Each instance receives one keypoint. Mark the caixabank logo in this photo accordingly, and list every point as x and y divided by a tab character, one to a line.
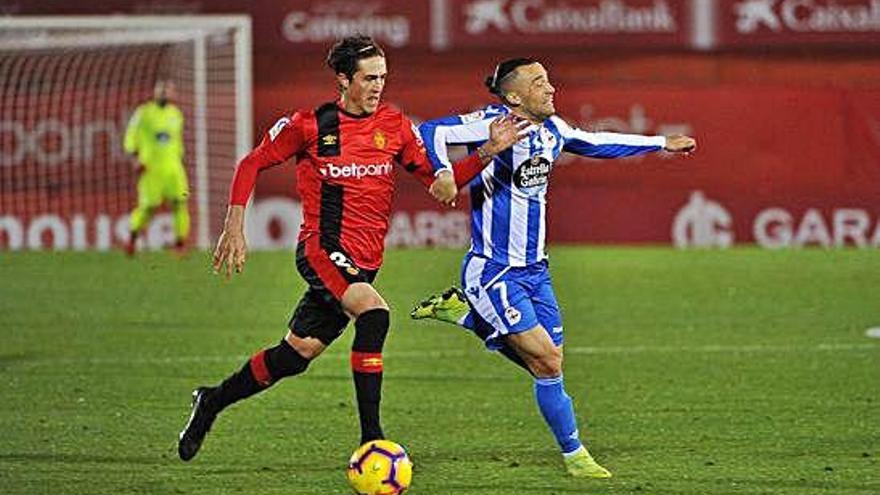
806	16
550	16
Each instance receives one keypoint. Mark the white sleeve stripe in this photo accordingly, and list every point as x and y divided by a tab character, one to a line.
440	146
466	133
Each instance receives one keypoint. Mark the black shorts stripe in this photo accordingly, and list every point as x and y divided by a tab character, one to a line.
330	220
327	116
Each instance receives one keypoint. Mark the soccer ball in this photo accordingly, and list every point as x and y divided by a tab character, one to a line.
380	467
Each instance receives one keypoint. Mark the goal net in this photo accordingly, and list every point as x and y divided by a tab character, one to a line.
68	86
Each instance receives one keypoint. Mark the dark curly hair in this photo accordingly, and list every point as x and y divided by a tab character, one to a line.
504	69
345	54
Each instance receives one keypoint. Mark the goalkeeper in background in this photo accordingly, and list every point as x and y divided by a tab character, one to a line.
154	138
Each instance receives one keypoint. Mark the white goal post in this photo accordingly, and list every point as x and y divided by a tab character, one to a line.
68	85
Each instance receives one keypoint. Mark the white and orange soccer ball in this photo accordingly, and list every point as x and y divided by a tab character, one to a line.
380	467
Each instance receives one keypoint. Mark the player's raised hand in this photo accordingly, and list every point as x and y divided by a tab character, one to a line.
504	132
680	144
231	250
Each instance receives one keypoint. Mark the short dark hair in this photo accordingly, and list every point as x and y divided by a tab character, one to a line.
346	53
503	70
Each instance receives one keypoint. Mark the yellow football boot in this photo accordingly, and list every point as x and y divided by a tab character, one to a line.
581	464
450	306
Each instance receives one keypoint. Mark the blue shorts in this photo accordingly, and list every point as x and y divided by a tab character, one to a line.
509	299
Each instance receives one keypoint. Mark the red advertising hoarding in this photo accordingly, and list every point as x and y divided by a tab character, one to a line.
288	26
280	25
775	166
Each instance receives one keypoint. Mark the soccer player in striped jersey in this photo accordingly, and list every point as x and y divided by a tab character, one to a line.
508	297
345	151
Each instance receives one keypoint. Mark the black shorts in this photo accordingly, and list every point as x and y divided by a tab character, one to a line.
319	313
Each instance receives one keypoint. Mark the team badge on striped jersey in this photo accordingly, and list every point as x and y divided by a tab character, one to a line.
533	172
512	314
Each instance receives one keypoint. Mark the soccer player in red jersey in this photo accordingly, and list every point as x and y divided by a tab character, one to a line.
345	152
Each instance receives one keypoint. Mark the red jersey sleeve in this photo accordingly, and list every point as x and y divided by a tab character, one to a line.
415	159
284	140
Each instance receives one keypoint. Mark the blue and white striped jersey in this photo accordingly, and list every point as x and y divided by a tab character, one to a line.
508	199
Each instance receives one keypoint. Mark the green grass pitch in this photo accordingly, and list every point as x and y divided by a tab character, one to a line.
703	372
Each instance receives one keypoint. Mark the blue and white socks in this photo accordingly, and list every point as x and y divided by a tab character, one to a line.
558	412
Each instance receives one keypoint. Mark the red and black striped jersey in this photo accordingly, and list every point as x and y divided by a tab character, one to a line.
345	173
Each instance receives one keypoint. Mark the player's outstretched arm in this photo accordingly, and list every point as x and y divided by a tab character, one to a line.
618	145
678	143
231	250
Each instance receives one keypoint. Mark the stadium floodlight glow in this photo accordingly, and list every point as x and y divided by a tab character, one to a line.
68	85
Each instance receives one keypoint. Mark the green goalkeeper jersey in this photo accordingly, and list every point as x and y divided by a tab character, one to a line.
155	135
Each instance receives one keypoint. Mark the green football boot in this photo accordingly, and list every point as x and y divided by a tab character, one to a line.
581	464
450	306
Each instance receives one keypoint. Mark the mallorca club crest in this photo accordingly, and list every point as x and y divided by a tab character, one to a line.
379	140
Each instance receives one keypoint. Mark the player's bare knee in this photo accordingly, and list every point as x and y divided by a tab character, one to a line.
372	302
546	370
309	347
548	364
362	297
